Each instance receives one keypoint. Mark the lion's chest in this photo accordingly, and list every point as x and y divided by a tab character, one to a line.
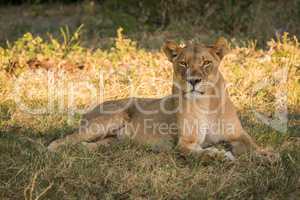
206	127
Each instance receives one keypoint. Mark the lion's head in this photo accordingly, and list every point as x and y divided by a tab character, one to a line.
195	66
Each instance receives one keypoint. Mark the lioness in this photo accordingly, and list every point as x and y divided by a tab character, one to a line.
198	114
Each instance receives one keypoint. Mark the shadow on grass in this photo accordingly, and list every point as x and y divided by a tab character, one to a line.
128	171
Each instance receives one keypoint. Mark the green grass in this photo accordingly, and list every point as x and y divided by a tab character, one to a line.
126	170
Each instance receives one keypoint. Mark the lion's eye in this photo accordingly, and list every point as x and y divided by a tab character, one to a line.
207	63
182	64
207	66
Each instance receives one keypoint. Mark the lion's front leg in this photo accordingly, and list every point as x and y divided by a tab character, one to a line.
191	145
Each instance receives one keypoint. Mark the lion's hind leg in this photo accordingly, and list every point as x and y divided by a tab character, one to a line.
97	128
92	146
243	144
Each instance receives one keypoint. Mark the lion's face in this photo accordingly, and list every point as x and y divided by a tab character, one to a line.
195	66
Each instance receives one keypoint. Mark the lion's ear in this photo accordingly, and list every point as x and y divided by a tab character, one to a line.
220	47
171	49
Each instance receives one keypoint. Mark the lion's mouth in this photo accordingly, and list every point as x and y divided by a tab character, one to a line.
194	92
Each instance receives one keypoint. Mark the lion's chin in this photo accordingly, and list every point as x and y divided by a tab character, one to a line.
193	95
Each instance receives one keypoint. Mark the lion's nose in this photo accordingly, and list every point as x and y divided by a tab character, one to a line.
194	81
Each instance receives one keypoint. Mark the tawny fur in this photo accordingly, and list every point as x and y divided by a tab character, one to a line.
146	122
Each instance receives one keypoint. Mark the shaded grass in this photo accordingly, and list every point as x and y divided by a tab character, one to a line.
127	171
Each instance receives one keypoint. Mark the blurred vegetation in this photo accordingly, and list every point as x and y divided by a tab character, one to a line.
258	20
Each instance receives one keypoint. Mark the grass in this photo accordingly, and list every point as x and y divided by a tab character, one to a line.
46	73
127	171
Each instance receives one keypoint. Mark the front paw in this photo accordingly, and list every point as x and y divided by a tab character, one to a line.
229	156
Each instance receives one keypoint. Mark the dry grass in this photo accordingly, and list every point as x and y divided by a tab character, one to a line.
125	170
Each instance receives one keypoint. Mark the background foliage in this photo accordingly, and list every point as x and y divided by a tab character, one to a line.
258	19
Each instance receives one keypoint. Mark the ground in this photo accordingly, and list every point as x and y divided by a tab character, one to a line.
46	83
